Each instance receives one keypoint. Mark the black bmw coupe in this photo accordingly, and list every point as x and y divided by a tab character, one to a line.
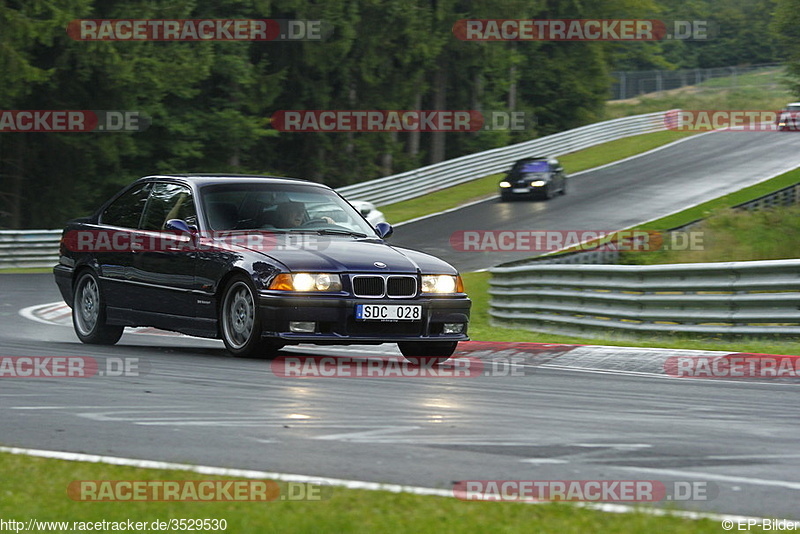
260	262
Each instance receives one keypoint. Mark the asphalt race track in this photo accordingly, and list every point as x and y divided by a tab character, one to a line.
194	403
617	196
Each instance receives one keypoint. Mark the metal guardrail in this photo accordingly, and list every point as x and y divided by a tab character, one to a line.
39	248
411	184
753	298
29	248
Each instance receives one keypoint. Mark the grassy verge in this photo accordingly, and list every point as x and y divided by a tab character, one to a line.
480	329
772	234
761	90
36	488
487	186
27	270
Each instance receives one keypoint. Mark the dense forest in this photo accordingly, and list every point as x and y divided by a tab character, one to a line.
209	102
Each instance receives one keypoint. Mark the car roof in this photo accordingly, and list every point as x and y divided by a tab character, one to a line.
201	179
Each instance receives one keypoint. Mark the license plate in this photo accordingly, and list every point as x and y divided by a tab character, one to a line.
389	312
519	190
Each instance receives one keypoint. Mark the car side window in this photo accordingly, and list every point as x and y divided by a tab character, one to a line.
126	211
168	201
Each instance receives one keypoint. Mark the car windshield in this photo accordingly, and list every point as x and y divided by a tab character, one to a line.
534	166
280	207
793	107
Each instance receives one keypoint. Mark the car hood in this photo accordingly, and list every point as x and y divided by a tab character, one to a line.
336	254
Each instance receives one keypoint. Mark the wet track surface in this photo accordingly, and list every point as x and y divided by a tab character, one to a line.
196	404
617	196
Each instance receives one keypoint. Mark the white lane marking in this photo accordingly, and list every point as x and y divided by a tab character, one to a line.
652	150
338	482
30	313
713	476
543	461
496	195
390	349
367	434
615	445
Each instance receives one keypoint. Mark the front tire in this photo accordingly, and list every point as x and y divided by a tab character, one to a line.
240	321
426	352
89	313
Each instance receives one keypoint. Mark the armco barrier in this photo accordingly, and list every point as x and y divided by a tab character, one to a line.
39	248
29	248
753	298
411	184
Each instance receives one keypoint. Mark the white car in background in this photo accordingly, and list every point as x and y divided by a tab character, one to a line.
369	211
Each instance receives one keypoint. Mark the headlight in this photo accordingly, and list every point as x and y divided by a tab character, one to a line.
538	183
505	184
442	283
307	282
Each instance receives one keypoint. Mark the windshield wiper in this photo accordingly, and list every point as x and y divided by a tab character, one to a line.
331	231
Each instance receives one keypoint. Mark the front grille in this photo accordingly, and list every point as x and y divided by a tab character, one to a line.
368	286
394	286
401	286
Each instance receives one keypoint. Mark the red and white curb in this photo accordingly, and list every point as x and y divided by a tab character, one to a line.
602	359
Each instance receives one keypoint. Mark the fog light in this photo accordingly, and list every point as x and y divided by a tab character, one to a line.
302	327
453	328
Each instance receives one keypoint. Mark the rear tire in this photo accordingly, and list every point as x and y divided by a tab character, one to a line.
422	352
89	312
240	321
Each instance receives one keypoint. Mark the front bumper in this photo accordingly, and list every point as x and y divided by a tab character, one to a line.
336	323
524	190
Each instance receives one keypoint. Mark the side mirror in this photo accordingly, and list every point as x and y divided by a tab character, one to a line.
365	211
384	229
179	225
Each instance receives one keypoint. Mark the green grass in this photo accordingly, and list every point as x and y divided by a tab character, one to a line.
480	329
26	270
487	186
36	488
771	234
762	90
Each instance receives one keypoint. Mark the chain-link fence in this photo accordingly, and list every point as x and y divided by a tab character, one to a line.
630	84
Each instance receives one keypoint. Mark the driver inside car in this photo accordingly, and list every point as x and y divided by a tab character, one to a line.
293	214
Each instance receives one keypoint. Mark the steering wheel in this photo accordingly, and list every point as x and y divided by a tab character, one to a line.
319	220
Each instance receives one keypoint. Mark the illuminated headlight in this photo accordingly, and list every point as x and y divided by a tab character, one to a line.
538	183
307	282
442	283
505	184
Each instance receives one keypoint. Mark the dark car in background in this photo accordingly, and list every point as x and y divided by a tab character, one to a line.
534	178
789	118
260	262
